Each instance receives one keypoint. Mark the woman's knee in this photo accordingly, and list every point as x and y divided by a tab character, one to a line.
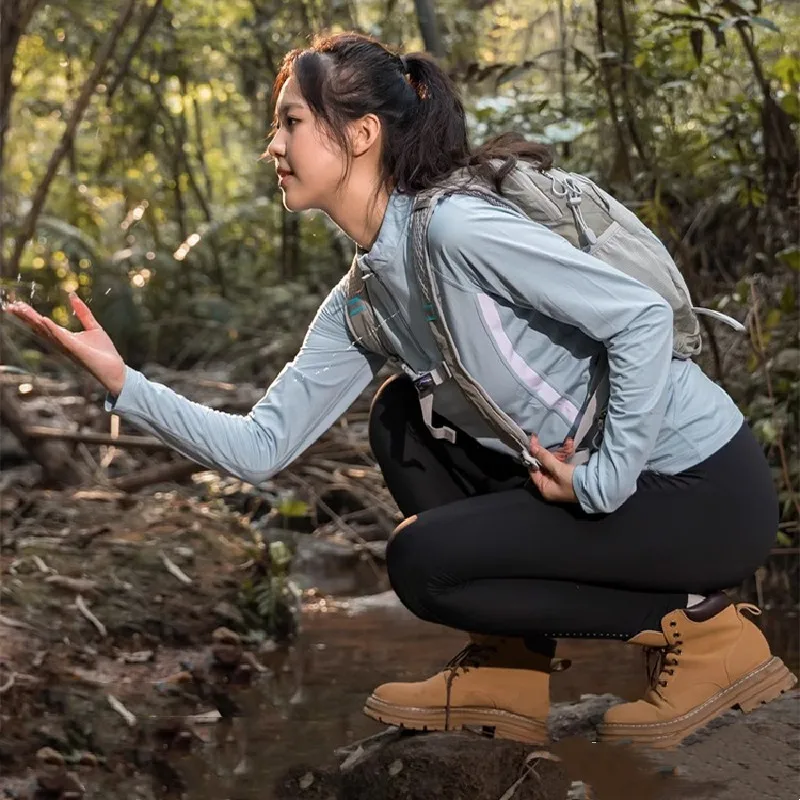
409	565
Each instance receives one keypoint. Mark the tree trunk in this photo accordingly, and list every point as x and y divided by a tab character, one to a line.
149	19
429	27
14	20
81	104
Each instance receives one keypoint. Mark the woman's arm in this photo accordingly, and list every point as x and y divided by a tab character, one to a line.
303	401
523	262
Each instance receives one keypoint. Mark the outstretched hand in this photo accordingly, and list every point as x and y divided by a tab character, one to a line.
90	348
554	478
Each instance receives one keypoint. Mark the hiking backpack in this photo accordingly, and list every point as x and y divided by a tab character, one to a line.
589	218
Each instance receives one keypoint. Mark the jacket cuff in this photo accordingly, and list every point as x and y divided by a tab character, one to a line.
579	486
125	400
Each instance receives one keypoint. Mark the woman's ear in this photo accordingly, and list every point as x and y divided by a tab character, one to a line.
364	133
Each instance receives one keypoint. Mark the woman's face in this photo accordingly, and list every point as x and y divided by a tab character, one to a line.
310	165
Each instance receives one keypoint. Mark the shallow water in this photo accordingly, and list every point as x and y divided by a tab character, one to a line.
350	653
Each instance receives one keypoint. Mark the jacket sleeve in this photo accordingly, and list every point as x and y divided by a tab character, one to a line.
303	401
512	258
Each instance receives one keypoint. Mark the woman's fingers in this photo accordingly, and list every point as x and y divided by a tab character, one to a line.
58	334
548	460
85	317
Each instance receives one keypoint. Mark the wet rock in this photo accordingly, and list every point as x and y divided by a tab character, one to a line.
446	766
336	568
301	782
581	718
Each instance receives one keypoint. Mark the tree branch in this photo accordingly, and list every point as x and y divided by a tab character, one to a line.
82	103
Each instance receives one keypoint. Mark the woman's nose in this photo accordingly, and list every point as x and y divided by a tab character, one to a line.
276	147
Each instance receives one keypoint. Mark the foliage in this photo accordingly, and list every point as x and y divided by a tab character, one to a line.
163	217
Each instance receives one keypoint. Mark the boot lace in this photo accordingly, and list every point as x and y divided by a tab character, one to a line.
660	662
473	655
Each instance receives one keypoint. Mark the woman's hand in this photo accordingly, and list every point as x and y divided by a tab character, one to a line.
554	479
90	348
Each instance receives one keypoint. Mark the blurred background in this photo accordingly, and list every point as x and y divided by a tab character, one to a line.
130	134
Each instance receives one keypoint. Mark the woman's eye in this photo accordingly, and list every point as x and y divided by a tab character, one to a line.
291	121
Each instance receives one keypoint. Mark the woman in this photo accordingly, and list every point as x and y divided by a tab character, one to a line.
637	544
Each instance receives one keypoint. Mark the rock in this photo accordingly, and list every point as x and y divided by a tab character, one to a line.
228	614
581	718
308	784
787	361
335	567
445	766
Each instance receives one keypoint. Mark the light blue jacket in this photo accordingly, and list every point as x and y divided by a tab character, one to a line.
530	314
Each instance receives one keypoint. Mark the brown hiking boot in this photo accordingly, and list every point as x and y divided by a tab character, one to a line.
711	659
493	682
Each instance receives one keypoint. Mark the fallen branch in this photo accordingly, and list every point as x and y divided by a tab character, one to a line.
174	569
84	609
72	584
531	762
163	473
121	710
8	685
54	458
93	437
15	623
41	565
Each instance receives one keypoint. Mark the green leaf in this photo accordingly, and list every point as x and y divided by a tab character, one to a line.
790	103
773	318
787	70
765	23
292	507
783	539
791	257
788	299
280	554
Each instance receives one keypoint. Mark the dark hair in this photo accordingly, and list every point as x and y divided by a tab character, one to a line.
345	76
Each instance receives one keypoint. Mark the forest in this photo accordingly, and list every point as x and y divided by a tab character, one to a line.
131	136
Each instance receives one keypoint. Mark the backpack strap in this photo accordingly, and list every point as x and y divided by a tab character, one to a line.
506	429
360	316
366	331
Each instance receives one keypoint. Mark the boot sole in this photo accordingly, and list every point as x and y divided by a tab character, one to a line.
506	724
764	684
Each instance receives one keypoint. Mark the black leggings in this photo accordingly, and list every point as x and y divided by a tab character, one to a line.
487	554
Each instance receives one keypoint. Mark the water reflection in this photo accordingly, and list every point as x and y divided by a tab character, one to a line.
347	655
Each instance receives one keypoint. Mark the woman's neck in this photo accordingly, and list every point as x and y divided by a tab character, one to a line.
359	213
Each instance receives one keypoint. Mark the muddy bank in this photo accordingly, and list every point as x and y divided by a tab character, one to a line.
111	656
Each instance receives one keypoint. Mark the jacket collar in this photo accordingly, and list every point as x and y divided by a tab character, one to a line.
392	233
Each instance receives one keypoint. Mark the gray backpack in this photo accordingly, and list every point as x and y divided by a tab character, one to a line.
591	220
